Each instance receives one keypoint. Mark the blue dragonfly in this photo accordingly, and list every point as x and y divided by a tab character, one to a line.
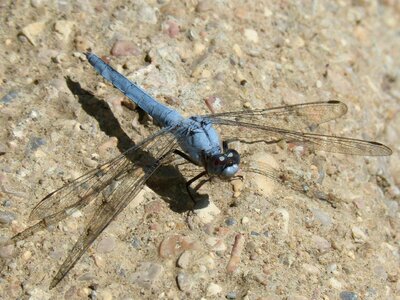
118	181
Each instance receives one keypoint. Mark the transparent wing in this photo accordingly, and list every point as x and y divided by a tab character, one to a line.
250	132
127	189
116	183
80	192
290	180
292	117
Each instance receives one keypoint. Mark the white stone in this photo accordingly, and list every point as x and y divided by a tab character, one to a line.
213	289
251	35
335	284
207	214
33	30
63	29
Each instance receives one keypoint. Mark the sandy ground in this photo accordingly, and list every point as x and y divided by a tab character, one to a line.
255	240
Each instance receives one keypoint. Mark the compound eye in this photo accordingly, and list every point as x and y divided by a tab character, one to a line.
233	156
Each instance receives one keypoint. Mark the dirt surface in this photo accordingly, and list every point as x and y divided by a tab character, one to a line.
256	240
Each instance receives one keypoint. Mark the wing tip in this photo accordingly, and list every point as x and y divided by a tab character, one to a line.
384	150
341	105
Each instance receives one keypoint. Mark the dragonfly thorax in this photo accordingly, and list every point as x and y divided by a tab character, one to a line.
223	164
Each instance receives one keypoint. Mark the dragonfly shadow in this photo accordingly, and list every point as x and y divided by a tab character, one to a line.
160	182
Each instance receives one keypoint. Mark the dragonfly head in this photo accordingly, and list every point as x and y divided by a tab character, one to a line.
224	164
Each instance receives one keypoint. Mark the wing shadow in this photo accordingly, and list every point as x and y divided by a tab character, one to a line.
161	182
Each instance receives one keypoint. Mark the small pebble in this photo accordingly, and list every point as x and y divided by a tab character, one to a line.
32	31
217	244
213	289
237	185
348	296
99	261
184	281
230	221
206	211
6	203
332	268
106	245
64	29
254	233
37	3
3	149
298	42
171	28
57	254
359	234
26	255
251	35
238	51
90	162
231	295
6	217
135	242
184	260
213	103
198	48
124	48
311	269
7	251
335	284
105	294
267	12
154	207
236	253
34	143
380	272
174	245
392	207
321	243
322	217
147	274
245	220
208	262
204	5
146	14
34	115
9	97
283	219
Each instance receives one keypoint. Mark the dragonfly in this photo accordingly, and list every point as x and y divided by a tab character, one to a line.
117	182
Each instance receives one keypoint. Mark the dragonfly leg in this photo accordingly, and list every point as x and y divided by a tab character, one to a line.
237	177
185	156
225	145
188	184
191	211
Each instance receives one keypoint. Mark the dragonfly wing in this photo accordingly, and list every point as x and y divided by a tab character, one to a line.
84	189
98	182
125	189
291	117
81	191
336	144
290	180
